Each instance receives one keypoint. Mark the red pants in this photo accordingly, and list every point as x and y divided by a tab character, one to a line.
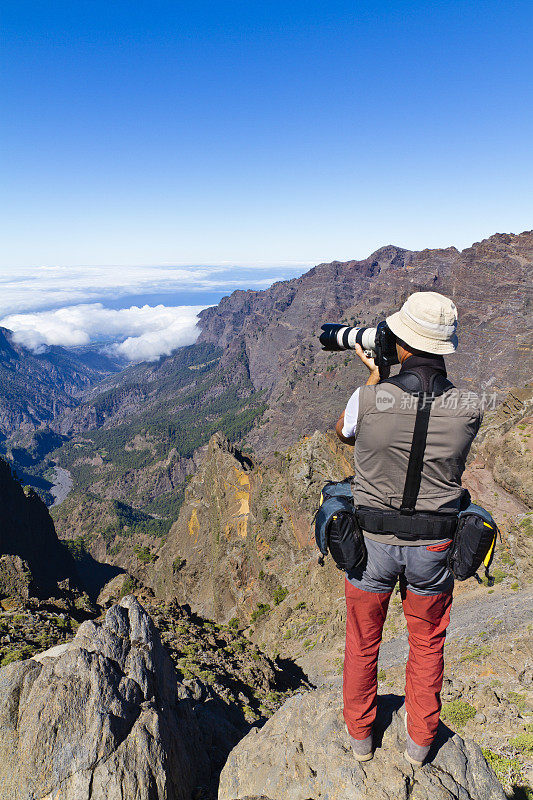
427	618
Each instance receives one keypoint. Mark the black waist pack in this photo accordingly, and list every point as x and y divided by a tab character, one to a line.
413	526
337	529
473	544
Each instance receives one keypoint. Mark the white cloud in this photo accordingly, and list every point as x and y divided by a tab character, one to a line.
67	305
31	289
137	333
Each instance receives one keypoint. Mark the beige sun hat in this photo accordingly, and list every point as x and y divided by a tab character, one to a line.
427	321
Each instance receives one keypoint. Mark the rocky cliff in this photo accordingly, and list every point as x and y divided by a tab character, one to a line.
99	718
504	443
244	537
109	715
27	535
303	752
37	387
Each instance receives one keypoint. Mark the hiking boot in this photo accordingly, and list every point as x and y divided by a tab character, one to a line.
415	753
361	748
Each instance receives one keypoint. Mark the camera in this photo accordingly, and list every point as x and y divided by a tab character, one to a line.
378	343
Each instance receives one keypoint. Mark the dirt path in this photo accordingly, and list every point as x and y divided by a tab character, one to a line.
469	618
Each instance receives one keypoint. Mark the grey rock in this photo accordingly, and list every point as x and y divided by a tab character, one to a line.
452	690
303	752
99	719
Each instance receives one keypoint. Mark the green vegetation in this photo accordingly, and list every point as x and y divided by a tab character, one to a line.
458	712
506	558
144	554
475	653
498	577
507	770
519	700
523	742
11	656
233	623
262	608
178	564
526	525
280	594
167	505
76	547
131	522
127	587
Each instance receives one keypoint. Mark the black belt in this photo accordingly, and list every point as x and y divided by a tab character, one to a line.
419	525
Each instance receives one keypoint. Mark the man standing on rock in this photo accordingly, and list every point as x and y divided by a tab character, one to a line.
379	421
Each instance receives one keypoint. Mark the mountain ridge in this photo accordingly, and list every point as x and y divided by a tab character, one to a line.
332	291
258	374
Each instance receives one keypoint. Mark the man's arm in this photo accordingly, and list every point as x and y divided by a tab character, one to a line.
338	427
373	379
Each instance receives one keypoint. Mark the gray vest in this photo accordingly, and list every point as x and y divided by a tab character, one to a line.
383	443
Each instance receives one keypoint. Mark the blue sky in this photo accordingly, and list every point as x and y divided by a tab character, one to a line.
261	133
207	146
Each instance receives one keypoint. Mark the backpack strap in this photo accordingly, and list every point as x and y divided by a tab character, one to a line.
416	456
414	381
427	385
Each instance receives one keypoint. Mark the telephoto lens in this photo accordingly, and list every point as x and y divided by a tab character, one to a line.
341	337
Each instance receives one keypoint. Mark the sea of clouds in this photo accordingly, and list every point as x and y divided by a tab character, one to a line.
144	332
46	306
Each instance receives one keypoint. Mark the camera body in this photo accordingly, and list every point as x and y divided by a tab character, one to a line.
378	343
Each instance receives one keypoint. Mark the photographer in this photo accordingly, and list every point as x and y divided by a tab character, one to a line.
379	421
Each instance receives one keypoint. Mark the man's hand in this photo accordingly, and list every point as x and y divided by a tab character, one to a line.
370	364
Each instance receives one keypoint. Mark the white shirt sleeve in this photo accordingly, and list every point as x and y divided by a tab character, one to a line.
350	415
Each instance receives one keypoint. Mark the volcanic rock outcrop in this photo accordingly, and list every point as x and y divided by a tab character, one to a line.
243	528
99	718
303	752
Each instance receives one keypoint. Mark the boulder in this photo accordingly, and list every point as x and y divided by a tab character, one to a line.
99	718
303	753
